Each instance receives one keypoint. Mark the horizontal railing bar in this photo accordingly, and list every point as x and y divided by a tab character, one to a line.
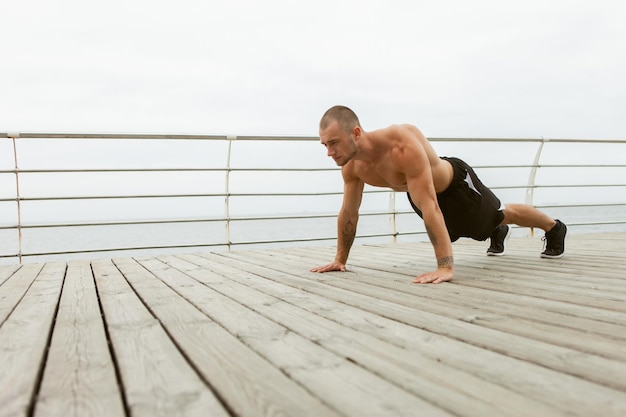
538	186
259	218
511	140
144	136
119	223
33	135
264	218
113	197
580	205
550	166
175	221
74	252
199	245
330	193
108	170
312	239
569	224
277	138
257	242
225	169
574	186
308	216
30	135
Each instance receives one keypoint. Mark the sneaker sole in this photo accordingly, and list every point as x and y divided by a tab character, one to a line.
552	256
508	235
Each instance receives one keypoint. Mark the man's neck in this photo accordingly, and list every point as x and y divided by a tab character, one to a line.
367	148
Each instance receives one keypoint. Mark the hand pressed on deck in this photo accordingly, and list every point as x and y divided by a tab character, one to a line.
334	266
435	277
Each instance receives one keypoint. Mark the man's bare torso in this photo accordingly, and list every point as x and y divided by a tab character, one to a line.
382	170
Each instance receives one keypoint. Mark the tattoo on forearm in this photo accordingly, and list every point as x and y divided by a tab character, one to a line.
348	234
445	261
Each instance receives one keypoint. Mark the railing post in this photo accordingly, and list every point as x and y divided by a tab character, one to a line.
14	136
393	219
230	139
530	188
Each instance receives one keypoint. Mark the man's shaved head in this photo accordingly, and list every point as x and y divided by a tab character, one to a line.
345	117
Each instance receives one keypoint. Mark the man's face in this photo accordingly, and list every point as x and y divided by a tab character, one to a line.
340	145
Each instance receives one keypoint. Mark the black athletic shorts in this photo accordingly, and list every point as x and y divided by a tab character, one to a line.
469	208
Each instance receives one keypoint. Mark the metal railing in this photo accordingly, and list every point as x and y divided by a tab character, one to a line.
30	158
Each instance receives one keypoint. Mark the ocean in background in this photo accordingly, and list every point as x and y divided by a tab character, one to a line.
169	184
194	237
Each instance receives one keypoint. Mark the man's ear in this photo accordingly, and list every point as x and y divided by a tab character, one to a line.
356	132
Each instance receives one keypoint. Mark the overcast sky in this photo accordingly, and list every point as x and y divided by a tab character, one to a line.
496	68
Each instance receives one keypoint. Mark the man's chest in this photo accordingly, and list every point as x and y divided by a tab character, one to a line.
381	174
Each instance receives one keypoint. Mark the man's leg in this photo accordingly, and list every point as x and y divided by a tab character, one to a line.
528	216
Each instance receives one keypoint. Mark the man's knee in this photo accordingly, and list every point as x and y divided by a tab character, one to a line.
512	213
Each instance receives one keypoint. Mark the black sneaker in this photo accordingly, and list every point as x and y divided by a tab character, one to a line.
498	237
555	241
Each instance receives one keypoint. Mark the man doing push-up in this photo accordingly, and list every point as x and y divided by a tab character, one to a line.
445	192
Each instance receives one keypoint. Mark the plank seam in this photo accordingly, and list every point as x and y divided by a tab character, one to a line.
110	347
180	349
42	366
287	330
23	295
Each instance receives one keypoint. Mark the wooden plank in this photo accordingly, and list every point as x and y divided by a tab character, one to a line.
393	279
406	296
456	391
476	278
246	382
558	359
558	270
79	378
549	273
591	319
6	271
24	338
449	303
213	334
531	266
156	378
342	384
15	286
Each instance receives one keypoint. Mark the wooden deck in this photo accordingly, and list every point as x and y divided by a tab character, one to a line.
253	333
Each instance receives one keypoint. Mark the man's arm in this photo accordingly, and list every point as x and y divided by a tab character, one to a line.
414	162
438	235
346	223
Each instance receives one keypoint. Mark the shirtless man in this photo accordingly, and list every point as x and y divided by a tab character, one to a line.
441	190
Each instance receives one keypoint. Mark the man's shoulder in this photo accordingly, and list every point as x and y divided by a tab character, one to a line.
396	128
399	131
403	135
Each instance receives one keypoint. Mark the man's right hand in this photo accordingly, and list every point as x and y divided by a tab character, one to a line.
335	266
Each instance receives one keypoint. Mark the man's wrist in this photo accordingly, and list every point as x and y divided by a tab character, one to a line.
341	257
445	262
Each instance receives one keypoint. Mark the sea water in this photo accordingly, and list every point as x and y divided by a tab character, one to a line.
105	241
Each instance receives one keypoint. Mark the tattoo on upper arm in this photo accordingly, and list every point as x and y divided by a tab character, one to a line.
445	261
